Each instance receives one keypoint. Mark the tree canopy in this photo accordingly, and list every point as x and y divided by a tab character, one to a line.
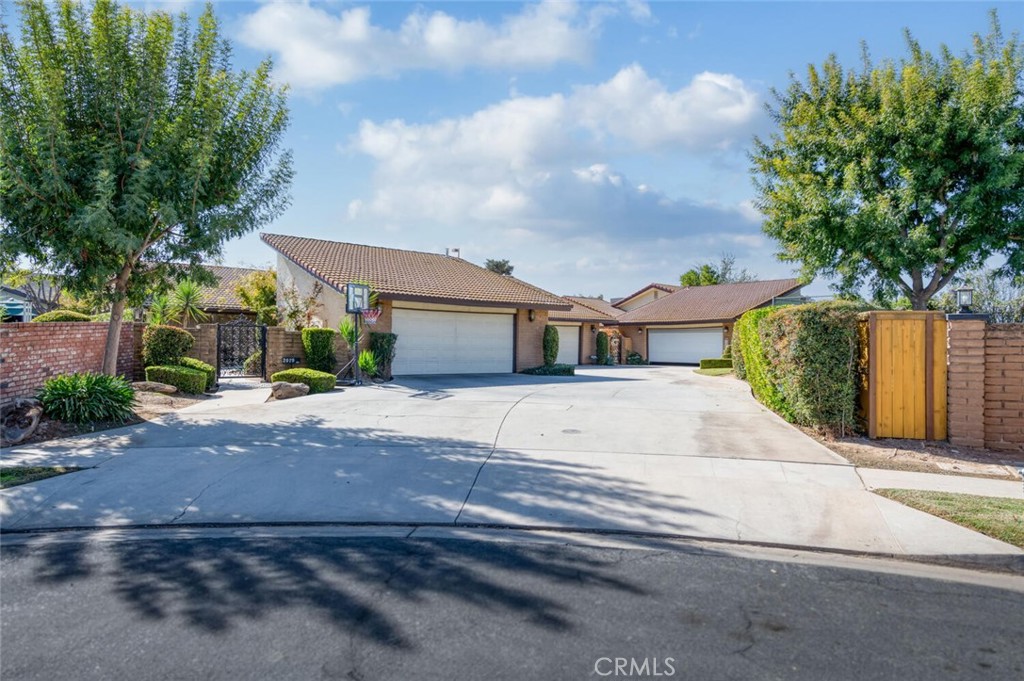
709	273
131	151
499	266
902	174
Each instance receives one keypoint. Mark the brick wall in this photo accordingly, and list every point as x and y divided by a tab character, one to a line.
638	340
530	338
283	343
205	347
986	384
31	352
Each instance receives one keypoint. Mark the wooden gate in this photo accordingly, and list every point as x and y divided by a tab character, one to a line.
903	359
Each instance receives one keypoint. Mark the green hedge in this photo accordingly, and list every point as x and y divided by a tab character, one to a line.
716	363
383	347
165	345
754	361
602	347
210	371
86	398
812	353
62	316
318	381
185	379
550	345
635	358
319	347
551	370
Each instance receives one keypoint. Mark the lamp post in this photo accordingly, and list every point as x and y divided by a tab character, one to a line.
965	299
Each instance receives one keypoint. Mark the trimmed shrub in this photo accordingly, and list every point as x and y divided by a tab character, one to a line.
318	381
383	347
738	365
368	363
319	347
551	370
164	345
550	345
727	353
185	379
602	347
86	398
716	363
635	358
812	355
755	360
253	364
62	316
210	371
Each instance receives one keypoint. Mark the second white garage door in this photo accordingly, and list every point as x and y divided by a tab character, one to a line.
435	342
568	345
683	346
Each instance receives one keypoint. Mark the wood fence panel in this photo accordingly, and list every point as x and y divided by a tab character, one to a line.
906	375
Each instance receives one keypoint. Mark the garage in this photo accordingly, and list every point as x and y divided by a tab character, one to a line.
445	342
568	344
684	346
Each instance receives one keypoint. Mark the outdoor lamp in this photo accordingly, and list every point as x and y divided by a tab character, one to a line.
532	315
593	328
965	298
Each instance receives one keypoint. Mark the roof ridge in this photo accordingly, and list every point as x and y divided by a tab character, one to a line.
378	248
576	299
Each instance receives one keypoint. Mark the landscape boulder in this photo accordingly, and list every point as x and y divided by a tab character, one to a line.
19	420
282	390
154	387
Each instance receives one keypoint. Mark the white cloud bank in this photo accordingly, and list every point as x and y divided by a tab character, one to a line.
317	48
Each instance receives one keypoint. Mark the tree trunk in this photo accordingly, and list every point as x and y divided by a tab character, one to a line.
919	300
116	314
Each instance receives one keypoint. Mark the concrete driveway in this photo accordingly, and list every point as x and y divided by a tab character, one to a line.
650	449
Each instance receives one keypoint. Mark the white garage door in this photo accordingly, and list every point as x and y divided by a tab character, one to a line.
684	346
434	342
568	345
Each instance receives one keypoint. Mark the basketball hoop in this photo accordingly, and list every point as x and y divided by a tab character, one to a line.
371	315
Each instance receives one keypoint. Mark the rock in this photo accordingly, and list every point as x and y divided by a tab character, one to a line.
282	390
154	387
19	420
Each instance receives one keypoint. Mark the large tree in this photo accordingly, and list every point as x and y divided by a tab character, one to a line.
499	266
709	273
902	174
131	151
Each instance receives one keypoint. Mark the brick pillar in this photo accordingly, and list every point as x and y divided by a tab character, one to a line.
966	379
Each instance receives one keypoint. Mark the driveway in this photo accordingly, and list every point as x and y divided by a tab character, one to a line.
649	449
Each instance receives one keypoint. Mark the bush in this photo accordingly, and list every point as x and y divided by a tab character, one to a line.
368	363
253	364
738	365
812	354
318	381
602	347
85	398
62	316
185	379
319	347
755	359
383	347
716	363
210	371
635	357
165	345
727	353
551	370
550	345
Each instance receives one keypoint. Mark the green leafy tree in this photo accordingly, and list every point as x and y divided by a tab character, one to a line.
185	303
131	151
709	274
902	174
258	292
499	267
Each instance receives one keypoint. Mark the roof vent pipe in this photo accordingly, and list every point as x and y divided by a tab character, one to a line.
453	252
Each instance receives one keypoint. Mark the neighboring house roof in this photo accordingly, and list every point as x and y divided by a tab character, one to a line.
10	291
667	288
719	303
224	296
587	310
411	275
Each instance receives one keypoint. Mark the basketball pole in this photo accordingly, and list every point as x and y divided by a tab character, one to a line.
355	350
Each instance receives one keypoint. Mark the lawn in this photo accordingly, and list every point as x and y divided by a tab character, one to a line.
713	372
19	475
998	517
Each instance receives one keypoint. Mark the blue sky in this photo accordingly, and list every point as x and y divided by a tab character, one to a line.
597	146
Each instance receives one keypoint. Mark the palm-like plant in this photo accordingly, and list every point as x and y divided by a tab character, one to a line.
185	303
159	310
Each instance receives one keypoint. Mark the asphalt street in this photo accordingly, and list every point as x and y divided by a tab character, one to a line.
327	607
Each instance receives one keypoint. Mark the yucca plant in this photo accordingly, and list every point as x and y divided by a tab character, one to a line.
159	310
368	363
86	398
347	329
185	303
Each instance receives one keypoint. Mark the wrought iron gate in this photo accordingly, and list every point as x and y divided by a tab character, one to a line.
241	349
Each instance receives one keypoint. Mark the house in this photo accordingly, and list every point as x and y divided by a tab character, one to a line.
578	327
15	305
221	303
648	294
695	322
450	316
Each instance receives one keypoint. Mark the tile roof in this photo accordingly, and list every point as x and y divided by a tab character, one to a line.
224	296
723	302
411	275
668	288
587	310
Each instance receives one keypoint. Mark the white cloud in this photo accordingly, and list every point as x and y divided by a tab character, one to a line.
317	48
